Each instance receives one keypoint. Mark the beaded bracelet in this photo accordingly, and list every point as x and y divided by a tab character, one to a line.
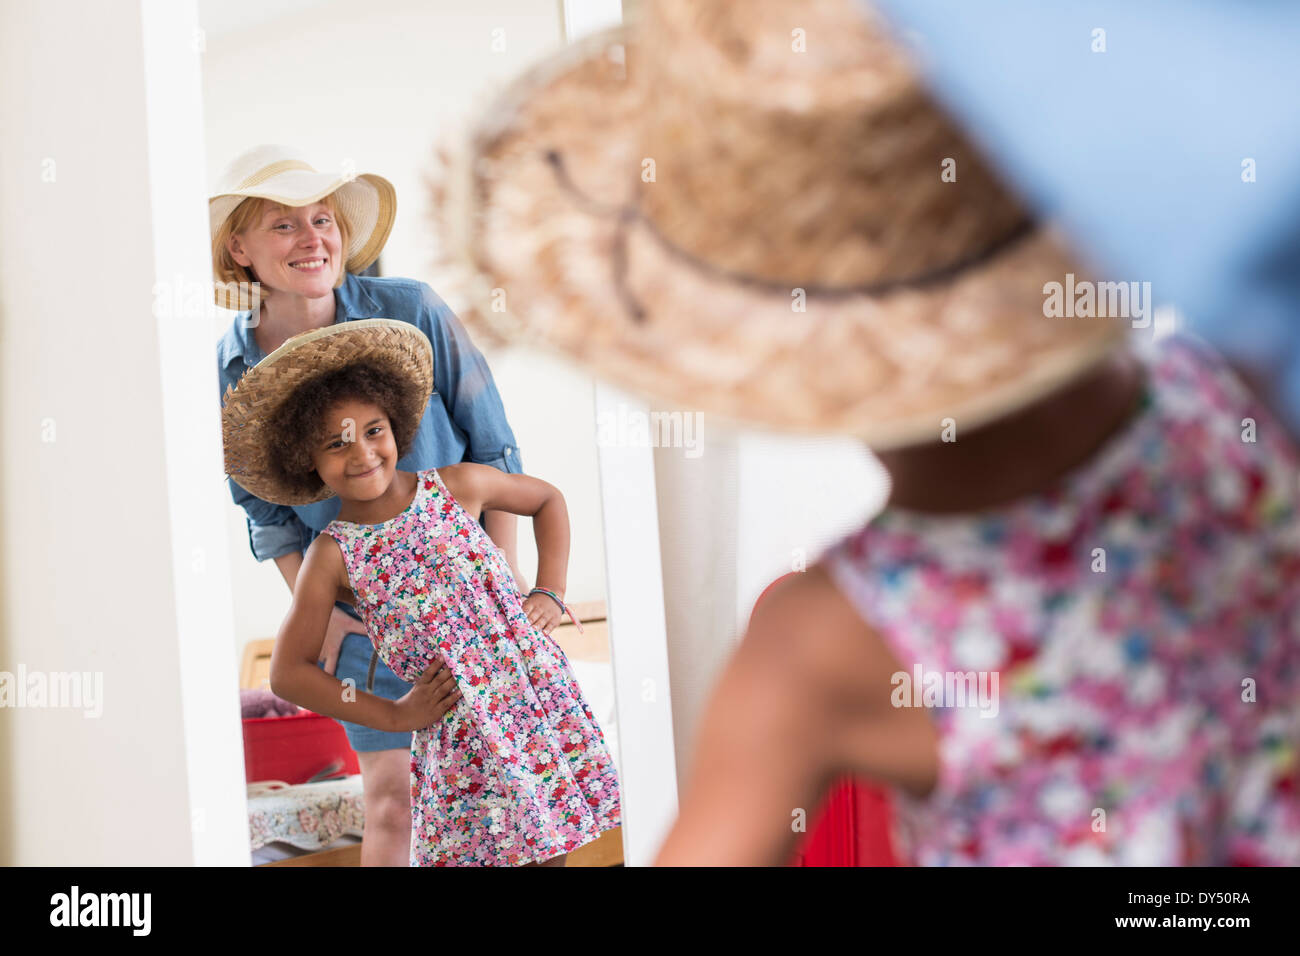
563	607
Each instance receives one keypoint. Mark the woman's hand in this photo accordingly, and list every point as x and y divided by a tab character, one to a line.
542	612
434	693
340	625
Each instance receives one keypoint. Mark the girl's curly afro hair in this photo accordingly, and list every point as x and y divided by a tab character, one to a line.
298	426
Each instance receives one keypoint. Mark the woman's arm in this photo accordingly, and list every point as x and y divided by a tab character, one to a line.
273	530
289	565
465	383
469	393
294	674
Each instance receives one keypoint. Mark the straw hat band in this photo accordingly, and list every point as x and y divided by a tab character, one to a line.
628	216
820	168
262	175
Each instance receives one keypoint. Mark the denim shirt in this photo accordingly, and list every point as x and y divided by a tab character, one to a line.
464	421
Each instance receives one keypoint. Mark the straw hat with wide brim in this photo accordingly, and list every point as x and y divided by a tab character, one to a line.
754	210
281	174
399	348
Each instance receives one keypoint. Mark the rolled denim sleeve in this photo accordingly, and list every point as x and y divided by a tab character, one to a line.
462	376
273	530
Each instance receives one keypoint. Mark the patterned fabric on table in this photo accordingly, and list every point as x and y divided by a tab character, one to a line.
309	815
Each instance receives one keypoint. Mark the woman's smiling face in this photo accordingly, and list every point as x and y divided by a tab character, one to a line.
292	249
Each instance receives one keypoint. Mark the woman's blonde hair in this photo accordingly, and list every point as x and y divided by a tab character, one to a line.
229	273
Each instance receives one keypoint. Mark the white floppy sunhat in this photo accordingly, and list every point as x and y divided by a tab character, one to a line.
281	174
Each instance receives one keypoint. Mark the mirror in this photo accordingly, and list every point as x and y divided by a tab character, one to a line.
373	88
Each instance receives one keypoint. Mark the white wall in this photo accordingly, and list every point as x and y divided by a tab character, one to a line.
731	521
112	565
377	84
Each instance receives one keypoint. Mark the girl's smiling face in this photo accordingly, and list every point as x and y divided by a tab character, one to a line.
357	455
292	249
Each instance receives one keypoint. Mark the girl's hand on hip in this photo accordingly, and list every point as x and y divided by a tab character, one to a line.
340	625
542	612
435	692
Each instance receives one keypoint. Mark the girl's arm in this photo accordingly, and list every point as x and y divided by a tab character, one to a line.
294	674
479	487
289	565
805	698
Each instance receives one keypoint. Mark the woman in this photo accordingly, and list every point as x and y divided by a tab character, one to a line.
288	244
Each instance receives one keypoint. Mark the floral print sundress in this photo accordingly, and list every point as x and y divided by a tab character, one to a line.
518	770
1143	618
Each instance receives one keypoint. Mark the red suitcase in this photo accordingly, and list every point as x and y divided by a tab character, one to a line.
296	748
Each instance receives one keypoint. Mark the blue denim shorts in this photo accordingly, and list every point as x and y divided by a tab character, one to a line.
355	661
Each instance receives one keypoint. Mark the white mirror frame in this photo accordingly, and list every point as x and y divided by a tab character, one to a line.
638	637
172	42
638	640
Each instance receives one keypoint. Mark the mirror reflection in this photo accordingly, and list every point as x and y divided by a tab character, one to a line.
415	524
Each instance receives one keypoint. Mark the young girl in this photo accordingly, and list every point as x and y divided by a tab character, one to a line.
1124	556
510	766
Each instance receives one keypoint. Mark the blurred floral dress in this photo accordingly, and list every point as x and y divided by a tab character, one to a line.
1143	619
518	770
